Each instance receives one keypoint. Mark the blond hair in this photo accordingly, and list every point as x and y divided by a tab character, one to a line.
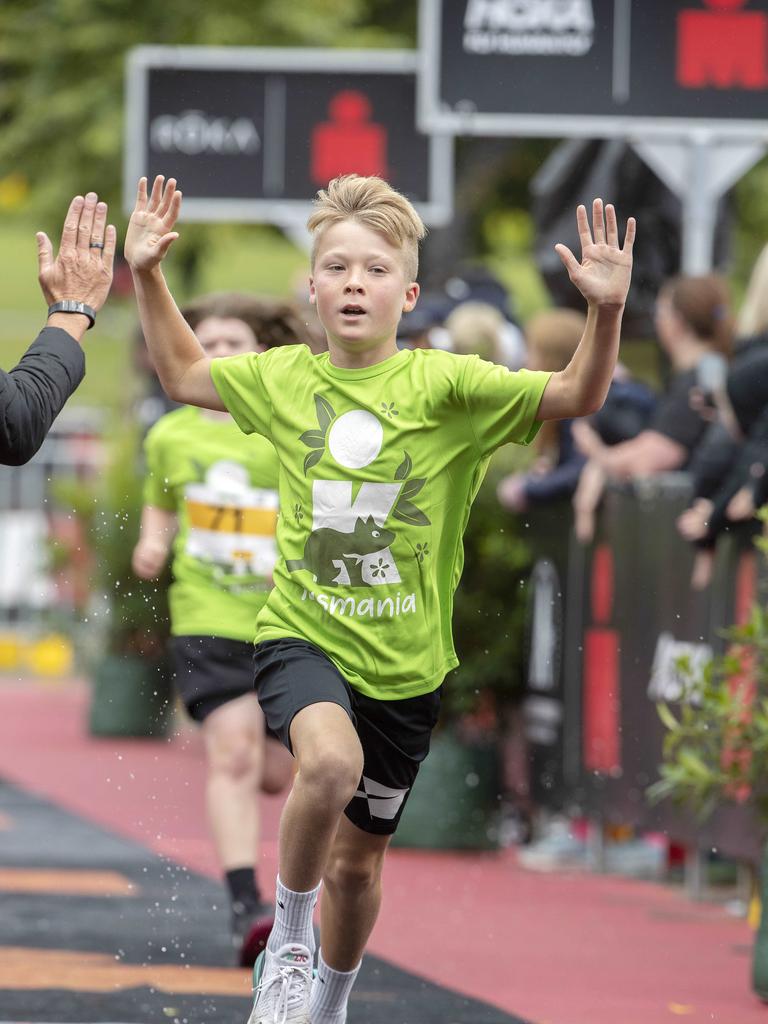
552	337
375	204
476	327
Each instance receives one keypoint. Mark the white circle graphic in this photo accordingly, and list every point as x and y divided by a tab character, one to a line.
355	439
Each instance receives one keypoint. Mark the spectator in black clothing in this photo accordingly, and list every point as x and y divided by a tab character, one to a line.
733	480
75	286
739	487
694	327
552	337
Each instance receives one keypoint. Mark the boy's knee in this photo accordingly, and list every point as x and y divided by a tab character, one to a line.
353	872
335	774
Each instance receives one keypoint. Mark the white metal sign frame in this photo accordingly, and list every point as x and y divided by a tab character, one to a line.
438	210
436	116
698	159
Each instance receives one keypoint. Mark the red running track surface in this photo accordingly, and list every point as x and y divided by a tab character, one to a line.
554	949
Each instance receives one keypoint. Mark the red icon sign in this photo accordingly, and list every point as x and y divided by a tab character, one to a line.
602	681
722	48
349	143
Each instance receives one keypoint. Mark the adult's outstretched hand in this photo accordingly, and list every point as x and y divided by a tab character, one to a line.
82	270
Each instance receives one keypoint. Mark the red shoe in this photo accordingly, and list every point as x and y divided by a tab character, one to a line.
250	931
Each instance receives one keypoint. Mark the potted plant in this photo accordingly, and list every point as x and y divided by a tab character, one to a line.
128	617
716	744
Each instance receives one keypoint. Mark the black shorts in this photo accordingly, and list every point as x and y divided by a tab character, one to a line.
209	671
292	674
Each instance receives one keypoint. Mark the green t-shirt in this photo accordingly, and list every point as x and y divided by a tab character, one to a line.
378	469
222	486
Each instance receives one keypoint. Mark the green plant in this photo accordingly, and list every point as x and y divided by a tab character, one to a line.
716	745
489	604
134	612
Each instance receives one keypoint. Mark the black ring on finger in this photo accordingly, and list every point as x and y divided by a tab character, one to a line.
95	245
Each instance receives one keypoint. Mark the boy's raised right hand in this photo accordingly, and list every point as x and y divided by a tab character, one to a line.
150	230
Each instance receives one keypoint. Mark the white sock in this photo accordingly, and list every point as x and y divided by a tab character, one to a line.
293	918
330	993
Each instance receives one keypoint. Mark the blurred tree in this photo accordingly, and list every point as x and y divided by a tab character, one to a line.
62	66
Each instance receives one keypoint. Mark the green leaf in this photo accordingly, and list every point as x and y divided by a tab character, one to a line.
690	760
404	469
408	513
325	413
313	438
312	459
412	488
660	790
667	717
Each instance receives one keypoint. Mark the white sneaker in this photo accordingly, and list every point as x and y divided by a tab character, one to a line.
281	984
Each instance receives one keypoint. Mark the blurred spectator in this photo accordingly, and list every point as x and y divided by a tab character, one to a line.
276	322
552	338
694	328
417	328
730	488
477	327
479	294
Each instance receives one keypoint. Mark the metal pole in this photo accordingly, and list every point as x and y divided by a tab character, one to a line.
699	209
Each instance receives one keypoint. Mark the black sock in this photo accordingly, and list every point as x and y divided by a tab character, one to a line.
243	887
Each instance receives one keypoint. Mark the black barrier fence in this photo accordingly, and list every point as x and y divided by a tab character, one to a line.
608	623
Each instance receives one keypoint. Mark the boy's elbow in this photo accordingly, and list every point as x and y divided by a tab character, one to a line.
591	405
174	390
177	388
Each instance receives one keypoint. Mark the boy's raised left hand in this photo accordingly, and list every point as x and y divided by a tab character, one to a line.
150	230
605	270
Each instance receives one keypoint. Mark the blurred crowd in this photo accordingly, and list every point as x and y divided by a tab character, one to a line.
708	416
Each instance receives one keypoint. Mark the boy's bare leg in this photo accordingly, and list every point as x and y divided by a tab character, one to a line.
350	906
351	895
330	764
234	742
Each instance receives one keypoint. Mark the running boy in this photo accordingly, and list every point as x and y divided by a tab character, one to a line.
210	495
381	453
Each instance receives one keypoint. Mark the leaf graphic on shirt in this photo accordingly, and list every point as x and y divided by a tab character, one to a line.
404	469
313	438
325	413
312	459
407	512
412	488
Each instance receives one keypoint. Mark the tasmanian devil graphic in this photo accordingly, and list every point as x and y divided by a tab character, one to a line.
326	548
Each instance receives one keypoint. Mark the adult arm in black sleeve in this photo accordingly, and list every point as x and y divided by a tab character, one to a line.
33	393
